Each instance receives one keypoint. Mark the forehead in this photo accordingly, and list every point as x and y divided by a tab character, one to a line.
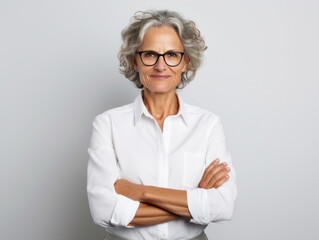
161	39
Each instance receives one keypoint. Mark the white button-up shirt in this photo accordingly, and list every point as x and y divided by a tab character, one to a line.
128	143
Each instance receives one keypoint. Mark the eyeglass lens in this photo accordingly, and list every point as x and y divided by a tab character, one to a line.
171	58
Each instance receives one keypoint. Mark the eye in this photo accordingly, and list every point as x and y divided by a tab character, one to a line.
150	54
171	54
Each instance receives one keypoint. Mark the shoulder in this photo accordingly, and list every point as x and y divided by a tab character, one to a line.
195	112
114	112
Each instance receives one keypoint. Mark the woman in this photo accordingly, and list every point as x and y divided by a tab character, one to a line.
158	167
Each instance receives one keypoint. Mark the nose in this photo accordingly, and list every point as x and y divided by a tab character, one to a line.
160	65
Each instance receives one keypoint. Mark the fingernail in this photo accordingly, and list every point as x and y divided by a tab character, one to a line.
227	168
216	161
224	163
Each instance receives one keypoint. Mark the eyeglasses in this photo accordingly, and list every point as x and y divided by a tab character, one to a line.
171	58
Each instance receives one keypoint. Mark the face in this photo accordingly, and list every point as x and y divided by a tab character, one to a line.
160	78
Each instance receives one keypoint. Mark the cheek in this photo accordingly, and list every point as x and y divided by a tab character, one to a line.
143	70
178	74
143	74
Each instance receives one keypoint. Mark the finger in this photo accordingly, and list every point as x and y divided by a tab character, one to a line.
210	171
219	175
206	176
212	165
209	168
220	182
218	168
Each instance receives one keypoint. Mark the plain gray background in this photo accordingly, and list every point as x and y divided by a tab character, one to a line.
58	70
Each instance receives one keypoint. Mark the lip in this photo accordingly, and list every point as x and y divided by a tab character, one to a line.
160	76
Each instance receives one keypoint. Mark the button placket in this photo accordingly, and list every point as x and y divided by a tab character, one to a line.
166	142
161	170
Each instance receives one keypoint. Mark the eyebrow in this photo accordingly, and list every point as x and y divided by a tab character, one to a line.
172	50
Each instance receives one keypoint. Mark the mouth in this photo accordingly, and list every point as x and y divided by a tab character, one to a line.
160	76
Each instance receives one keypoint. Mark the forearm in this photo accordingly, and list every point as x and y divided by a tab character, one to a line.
149	215
174	201
171	200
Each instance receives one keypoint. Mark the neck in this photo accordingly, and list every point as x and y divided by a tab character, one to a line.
160	105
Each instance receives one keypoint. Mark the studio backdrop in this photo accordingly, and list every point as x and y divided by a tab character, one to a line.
59	69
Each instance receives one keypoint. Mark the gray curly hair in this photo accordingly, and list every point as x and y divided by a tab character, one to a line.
133	35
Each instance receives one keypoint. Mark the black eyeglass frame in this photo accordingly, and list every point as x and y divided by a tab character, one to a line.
158	56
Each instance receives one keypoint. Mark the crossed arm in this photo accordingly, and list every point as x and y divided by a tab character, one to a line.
211	201
158	205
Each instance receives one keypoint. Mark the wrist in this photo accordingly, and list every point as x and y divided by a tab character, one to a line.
144	194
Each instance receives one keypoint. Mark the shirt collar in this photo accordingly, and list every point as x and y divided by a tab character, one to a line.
139	109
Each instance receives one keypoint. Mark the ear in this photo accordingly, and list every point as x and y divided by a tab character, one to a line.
134	61
186	62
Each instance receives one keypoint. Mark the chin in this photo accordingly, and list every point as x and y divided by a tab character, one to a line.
160	88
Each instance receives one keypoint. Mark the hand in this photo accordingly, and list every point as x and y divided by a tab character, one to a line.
215	175
128	189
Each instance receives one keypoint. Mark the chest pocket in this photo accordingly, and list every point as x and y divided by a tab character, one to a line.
193	169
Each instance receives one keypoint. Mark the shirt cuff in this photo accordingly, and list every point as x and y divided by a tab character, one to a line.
197	205
124	211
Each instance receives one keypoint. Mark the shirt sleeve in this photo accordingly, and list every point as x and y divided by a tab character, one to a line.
214	205
106	206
